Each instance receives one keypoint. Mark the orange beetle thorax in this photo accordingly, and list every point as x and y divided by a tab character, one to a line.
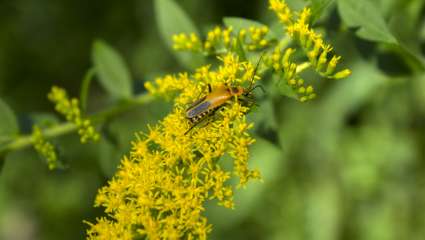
238	91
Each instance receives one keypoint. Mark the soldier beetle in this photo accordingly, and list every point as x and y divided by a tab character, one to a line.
217	98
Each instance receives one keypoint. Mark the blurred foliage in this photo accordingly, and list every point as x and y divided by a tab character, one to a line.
348	165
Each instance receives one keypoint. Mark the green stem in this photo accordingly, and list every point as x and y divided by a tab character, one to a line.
26	140
85	87
67	127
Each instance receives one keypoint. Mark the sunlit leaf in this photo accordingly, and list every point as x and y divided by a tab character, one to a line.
318	7
363	14
111	70
171	19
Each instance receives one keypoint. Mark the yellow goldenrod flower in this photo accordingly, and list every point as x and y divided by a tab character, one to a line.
282	10
71	110
283	66
186	42
342	74
161	187
44	148
255	40
318	53
222	40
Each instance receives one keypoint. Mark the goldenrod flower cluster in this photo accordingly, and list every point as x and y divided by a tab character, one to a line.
320	57
161	187
44	148
282	10
71	110
190	42
289	69
222	40
219	38
254	38
317	51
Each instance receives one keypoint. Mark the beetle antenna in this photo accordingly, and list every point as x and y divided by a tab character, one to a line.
258	86
255	70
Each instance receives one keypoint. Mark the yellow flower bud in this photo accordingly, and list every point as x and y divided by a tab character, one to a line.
309	89
71	110
342	74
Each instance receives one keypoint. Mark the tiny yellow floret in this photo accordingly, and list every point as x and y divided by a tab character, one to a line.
44	148
71	110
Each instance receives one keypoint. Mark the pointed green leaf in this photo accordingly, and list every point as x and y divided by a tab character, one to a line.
171	19
111	70
8	123
318	7
367	17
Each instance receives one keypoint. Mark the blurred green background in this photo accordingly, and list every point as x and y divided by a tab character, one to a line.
349	165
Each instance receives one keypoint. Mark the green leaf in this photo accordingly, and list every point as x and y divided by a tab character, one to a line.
283	88
411	57
111	70
108	156
8	123
278	31
171	19
318	7
85	88
365	15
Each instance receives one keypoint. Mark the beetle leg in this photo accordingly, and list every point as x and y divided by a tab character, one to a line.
191	128
248	101
211	114
194	125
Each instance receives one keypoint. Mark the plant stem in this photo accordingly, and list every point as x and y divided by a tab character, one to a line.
68	127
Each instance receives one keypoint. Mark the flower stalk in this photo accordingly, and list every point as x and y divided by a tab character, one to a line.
61	129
